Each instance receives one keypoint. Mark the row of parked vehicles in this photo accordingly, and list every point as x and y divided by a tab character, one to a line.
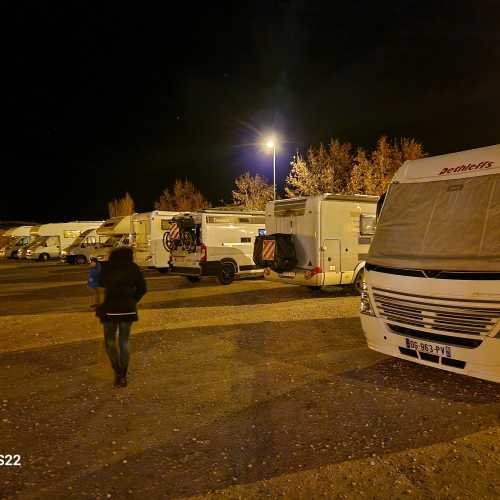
332	234
425	256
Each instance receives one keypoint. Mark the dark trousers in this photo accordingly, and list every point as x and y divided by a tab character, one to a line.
118	357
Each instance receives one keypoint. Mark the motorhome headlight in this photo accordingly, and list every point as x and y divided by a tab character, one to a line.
365	306
29	252
64	253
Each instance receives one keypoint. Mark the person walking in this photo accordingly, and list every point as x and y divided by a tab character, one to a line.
93	280
124	287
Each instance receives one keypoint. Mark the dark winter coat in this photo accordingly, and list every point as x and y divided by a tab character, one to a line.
125	286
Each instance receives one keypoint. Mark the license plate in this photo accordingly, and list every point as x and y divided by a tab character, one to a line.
436	349
287	274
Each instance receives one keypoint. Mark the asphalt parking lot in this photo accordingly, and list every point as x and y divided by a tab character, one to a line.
252	390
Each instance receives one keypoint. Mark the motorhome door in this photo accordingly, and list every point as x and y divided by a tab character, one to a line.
331	258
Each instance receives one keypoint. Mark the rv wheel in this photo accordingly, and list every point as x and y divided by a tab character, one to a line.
193	279
43	257
226	273
358	281
81	259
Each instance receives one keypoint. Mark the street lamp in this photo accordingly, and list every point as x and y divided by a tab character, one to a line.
272	145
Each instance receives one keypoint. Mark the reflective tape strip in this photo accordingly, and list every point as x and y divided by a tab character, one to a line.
174	232
268	249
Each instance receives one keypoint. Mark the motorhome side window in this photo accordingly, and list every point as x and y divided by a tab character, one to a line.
72	234
52	240
367	224
221	219
259	220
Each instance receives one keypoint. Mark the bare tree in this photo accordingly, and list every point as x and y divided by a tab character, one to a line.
121	206
386	159
252	193
165	201
334	169
184	197
323	170
359	173
300	180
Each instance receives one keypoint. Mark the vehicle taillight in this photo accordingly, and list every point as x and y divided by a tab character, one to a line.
203	253
312	272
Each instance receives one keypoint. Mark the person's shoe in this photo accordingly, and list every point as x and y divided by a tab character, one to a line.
117	382
123	381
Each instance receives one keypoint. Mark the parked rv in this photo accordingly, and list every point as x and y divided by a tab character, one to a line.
53	238
432	291
81	249
149	230
113	233
329	236
17	239
214	243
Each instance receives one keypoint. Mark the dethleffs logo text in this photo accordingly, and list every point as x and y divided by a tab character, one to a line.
467	168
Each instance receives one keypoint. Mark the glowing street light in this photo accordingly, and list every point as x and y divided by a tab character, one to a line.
271	144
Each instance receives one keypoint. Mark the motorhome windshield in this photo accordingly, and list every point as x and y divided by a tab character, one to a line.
41	240
23	241
111	241
442	225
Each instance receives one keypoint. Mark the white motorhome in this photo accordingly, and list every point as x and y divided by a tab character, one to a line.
81	249
54	237
113	233
5	236
34	234
215	243
432	291
331	234
149	230
18	238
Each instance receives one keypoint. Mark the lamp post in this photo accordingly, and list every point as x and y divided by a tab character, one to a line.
271	145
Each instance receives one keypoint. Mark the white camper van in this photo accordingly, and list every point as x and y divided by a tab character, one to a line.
432	292
148	230
113	233
215	243
18	238
331	234
81	249
34	235
53	238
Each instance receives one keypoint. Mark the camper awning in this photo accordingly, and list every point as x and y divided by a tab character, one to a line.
451	225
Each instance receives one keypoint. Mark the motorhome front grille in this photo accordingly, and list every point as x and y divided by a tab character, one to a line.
434	315
290	207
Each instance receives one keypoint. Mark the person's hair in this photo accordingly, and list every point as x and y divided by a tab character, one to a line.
121	255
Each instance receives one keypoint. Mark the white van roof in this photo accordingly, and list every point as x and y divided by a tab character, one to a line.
470	163
215	211
154	213
116	225
21	231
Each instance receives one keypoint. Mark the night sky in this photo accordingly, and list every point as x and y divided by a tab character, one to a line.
103	97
